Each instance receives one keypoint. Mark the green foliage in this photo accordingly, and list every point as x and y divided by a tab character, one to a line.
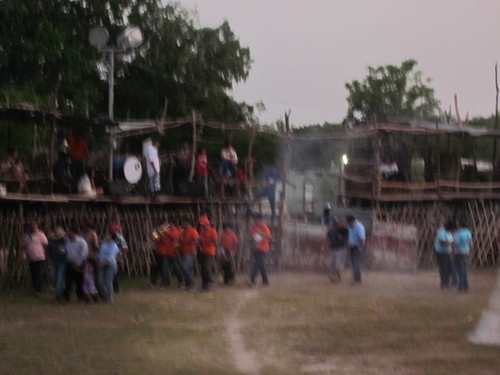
52	60
392	91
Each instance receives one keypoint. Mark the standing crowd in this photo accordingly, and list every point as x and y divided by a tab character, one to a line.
79	261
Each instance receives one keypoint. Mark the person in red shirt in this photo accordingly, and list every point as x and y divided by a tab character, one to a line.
229	242
201	173
188	241
260	236
166	248
208	246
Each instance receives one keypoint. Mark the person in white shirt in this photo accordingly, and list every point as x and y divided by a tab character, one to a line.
389	170
153	168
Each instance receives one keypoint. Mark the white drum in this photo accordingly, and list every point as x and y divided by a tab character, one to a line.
132	170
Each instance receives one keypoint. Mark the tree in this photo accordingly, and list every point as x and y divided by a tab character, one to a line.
392	91
45	54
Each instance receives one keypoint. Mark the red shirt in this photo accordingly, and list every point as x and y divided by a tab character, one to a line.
188	239
77	148
259	233
167	243
208	240
201	167
229	240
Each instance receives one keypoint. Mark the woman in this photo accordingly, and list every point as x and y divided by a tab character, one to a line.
106	259
34	244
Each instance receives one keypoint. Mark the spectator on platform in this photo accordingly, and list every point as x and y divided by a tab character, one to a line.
201	173
182	169
61	170
389	170
78	151
229	160
153	169
11	168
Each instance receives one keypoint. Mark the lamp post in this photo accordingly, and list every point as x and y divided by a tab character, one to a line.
129	38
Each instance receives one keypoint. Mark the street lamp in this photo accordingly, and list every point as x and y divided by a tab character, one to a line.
129	39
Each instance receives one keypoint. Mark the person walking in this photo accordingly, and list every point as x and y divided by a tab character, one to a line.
166	248
229	242
463	243
116	233
356	240
443	248
260	235
188	241
337	239
208	247
34	244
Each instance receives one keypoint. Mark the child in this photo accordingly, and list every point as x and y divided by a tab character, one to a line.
89	288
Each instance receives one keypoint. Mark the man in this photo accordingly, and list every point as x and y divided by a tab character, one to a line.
356	240
337	238
270	179
166	248
260	235
34	244
229	242
463	243
115	230
443	247
188	242
57	254
76	253
208	246
153	168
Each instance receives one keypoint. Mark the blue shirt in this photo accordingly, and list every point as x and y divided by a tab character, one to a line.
443	235
463	239
108	251
356	234
271	178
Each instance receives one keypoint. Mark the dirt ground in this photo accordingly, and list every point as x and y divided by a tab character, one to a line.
301	324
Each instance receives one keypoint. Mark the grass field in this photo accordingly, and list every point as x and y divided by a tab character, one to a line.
302	324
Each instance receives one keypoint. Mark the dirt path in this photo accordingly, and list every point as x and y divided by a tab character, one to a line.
488	329
244	359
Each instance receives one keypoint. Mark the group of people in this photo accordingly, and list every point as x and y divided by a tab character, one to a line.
78	261
177	248
452	246
342	238
193	168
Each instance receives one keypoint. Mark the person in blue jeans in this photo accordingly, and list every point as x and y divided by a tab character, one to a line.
463	243
443	247
106	259
57	255
356	240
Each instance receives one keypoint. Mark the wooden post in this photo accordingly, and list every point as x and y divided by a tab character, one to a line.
438	159
377	177
284	178
249	162
495	140
193	148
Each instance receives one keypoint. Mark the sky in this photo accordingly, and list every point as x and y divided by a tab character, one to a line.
304	52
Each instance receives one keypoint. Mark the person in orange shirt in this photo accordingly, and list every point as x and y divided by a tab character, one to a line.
260	236
229	242
208	246
166	248
188	241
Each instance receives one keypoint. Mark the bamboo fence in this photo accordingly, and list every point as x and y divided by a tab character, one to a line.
137	222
